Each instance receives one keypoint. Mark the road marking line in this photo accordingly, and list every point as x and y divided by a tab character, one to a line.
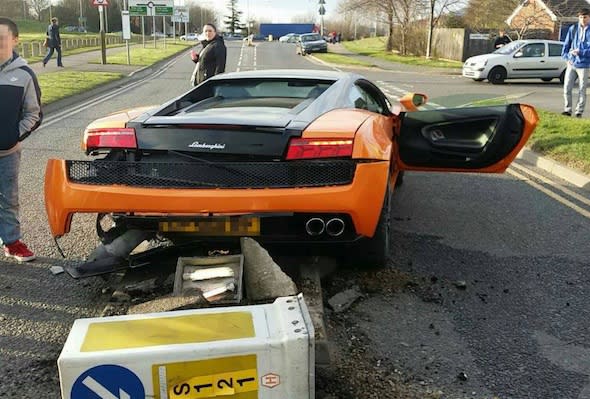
551	194
552	183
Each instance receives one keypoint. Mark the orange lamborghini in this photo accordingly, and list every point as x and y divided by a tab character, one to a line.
285	156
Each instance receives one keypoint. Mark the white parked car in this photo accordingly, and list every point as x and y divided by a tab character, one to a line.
289	38
519	59
190	36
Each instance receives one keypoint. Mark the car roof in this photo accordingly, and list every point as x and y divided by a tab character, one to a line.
538	40
288	73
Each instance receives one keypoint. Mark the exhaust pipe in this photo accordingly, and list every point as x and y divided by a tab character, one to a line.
335	227
315	226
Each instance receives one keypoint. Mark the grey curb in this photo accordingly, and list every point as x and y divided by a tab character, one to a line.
571	176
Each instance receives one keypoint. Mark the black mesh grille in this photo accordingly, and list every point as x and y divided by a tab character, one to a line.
219	174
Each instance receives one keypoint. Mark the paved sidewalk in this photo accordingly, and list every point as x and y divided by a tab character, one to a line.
88	61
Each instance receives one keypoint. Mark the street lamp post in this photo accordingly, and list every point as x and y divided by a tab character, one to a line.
80	22
322	11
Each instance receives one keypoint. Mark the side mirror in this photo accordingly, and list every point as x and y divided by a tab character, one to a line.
518	54
411	101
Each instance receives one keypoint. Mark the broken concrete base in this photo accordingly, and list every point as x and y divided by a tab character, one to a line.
312	293
169	303
263	278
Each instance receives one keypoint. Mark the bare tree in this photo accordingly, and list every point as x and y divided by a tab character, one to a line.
436	8
488	14
399	13
38	7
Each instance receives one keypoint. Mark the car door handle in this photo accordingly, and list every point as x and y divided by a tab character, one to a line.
542	60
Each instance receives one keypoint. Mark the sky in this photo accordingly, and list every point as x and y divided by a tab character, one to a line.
280	11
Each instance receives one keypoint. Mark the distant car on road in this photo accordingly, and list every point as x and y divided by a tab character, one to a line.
311	43
233	36
190	37
259	38
289	38
517	60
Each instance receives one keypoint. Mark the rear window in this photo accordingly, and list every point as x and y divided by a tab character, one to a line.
270	88
309	38
280	93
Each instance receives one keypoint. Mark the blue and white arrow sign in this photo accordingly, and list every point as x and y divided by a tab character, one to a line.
108	382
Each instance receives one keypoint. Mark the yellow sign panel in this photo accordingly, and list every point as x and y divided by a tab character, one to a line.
186	329
229	377
222	226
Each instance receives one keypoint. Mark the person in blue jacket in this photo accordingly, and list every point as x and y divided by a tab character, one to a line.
576	51
20	114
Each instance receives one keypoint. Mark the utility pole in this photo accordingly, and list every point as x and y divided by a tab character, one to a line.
322	11
80	20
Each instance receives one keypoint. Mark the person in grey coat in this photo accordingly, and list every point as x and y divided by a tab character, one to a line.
211	59
53	42
20	114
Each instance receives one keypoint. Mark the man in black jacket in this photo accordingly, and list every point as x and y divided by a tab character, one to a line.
53	42
20	114
211	59
501	40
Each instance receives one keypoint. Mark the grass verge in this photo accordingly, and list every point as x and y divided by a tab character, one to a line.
375	47
564	139
341	59
147	56
58	85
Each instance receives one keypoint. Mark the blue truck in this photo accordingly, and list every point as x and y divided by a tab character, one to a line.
278	30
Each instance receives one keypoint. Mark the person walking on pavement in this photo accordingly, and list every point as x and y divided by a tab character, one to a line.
53	42
211	59
20	114
501	40
576	51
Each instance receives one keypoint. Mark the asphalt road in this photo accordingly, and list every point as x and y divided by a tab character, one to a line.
492	299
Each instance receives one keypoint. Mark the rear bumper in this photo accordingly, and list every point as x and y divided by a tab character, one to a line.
361	200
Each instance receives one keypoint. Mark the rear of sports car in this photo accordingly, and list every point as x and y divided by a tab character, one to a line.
276	159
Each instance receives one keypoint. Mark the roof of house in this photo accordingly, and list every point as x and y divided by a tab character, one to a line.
566	8
557	9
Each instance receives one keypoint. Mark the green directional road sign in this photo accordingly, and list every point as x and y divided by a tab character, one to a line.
163	11
137	11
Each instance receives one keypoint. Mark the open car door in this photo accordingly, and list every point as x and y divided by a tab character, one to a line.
475	139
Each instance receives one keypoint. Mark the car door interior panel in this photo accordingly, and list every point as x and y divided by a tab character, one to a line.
460	138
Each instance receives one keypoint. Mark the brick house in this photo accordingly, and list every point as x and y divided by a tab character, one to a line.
544	19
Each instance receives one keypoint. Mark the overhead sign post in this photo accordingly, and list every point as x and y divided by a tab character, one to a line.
152	8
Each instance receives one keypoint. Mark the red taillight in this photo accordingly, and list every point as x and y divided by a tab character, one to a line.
109	138
319	148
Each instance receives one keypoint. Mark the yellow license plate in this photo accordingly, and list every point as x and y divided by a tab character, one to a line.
218	226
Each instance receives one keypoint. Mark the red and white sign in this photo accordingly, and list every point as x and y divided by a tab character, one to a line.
100	2
271	380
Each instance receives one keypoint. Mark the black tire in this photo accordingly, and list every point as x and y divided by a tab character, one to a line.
497	75
374	252
478	80
546	79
